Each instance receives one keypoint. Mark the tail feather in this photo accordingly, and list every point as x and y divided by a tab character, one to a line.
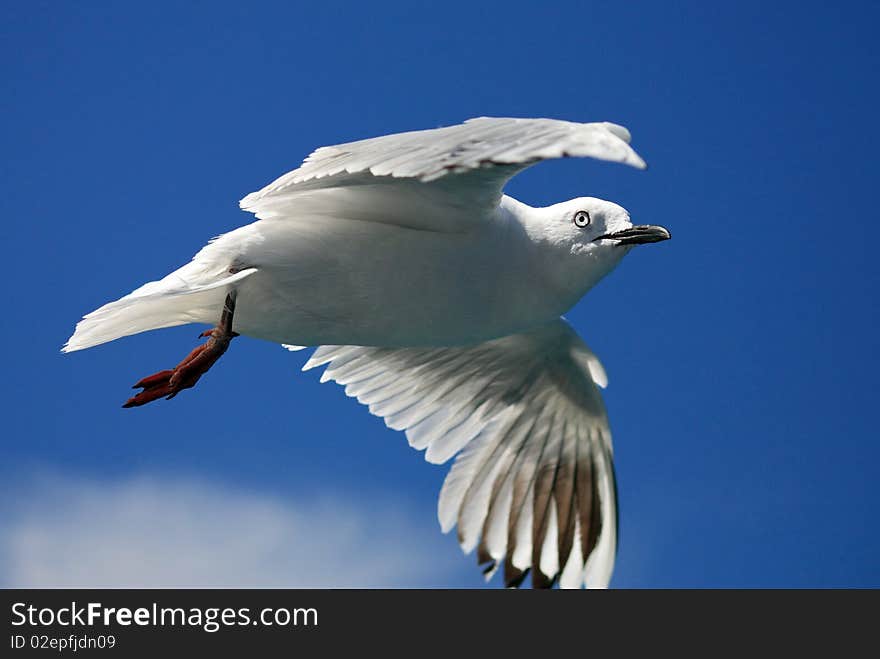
174	300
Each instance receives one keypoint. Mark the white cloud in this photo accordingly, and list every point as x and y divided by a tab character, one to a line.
149	532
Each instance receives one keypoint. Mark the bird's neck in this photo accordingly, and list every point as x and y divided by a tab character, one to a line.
563	274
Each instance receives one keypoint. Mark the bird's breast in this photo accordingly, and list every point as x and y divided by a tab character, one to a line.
329	281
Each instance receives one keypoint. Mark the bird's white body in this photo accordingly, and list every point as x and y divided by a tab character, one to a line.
437	301
336	281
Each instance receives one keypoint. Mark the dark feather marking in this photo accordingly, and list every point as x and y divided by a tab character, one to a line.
521	487
483	556
595	512
565	499
485	467
613	478
541	580
513	576
519	498
584	490
503	476
545	480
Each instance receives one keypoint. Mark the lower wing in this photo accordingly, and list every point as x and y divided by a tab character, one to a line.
532	486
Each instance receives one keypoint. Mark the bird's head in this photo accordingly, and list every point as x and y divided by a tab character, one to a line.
588	237
594	226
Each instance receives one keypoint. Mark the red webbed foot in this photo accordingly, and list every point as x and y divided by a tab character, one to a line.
167	384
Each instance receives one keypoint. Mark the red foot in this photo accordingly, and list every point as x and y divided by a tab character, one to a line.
169	383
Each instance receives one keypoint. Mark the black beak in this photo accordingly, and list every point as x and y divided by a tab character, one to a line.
638	235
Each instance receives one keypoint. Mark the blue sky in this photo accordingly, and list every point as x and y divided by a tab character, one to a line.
742	354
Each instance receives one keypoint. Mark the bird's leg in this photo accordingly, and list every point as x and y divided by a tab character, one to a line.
169	383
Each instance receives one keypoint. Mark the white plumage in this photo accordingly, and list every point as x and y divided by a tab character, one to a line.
436	301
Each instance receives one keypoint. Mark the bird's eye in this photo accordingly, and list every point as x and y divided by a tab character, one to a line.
582	219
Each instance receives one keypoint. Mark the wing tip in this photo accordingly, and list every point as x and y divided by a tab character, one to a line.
619	131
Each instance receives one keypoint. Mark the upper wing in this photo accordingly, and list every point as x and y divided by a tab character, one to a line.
533	483
460	169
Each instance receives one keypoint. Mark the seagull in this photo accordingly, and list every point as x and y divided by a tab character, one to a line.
437	301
